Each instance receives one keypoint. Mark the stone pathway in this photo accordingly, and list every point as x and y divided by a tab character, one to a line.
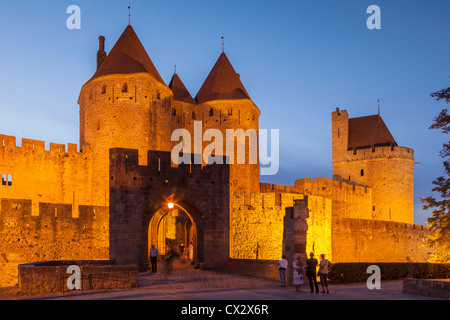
184	283
184	277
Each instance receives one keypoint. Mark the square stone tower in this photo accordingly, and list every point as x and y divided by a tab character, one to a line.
365	153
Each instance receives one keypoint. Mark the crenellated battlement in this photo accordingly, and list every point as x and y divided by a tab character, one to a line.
329	188
320	186
18	213
162	173
379	152
265	200
37	149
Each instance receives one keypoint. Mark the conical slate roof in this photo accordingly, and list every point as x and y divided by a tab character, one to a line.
368	131
180	93
223	83
126	57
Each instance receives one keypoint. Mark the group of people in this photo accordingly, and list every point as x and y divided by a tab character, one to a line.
309	269
154	253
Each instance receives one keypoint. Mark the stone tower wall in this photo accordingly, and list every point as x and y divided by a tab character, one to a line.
139	118
223	115
234	115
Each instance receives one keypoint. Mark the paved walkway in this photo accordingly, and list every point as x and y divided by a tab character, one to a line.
187	283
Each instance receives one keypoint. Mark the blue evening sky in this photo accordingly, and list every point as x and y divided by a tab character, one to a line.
298	60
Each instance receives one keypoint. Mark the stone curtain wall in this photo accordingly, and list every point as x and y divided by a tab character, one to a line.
51	276
52	176
349	201
55	234
358	240
257	229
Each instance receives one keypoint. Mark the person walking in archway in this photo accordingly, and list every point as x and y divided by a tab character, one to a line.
154	258
191	251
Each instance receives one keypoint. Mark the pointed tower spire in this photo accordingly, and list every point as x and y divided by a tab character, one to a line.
223	44
129	14
222	83
180	93
128	56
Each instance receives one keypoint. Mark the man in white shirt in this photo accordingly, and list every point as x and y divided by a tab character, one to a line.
154	257
324	267
282	266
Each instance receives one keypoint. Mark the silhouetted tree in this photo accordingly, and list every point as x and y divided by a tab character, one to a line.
439	223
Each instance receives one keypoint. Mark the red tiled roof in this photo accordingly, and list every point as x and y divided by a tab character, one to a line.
180	93
223	83
128	56
368	131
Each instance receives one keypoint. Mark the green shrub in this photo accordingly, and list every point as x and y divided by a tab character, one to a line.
357	272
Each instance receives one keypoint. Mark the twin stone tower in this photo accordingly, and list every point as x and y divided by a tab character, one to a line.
126	104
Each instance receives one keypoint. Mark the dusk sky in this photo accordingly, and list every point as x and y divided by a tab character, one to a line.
298	60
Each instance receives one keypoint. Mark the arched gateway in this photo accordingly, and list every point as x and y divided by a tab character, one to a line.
139	199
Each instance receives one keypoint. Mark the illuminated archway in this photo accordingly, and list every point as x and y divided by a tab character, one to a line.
173	229
139	192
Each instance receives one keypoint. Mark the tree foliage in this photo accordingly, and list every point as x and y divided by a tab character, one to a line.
439	223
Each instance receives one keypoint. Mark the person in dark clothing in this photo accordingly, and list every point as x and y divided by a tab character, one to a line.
311	265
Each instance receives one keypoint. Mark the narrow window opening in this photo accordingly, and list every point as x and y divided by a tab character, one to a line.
103	89
362	172
174	112
194	115
9	180
211	112
4	179
230	111
125	88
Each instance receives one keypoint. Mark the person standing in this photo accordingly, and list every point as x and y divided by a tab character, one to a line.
282	266
154	257
298	278
311	267
324	267
191	251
